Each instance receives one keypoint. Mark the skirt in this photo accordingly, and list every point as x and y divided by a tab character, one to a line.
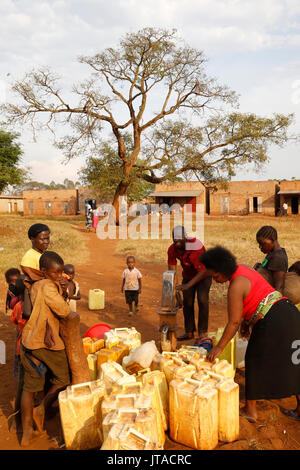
272	361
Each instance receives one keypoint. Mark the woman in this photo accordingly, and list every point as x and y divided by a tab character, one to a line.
271	364
39	235
275	264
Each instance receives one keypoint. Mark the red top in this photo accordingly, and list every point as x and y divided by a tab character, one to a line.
17	319
260	288
189	259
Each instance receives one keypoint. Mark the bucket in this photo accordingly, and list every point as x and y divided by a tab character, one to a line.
97	331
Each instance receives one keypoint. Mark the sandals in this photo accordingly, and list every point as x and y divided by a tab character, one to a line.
248	418
290	414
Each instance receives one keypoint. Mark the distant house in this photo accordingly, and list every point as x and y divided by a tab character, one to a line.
51	202
182	193
290	193
11	204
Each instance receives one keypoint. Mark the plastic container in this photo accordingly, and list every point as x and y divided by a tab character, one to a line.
159	381
96	299
92	362
143	421
113	374
240	351
122	401
124	437
127	388
200	362
121	350
80	413
128	336
223	368
193	414
97	331
105	355
228	396
143	355
228	352
92	345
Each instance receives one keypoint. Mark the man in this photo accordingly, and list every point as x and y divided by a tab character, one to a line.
195	280
285	208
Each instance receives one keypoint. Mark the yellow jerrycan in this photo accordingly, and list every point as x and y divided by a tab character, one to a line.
124	437
96	299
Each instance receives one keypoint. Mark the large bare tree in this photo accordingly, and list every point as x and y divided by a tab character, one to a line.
154	87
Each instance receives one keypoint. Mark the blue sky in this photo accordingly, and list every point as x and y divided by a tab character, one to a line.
251	45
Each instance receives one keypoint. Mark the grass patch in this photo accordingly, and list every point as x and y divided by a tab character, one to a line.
65	239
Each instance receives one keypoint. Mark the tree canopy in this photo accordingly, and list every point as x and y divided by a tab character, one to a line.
154	87
10	158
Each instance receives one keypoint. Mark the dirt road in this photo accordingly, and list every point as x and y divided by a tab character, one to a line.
103	270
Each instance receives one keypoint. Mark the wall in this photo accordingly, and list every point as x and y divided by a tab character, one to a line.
50	202
11	204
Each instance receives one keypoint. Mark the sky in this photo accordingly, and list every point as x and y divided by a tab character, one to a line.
251	45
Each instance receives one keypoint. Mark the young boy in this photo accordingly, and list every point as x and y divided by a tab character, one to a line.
73	287
11	277
42	348
132	284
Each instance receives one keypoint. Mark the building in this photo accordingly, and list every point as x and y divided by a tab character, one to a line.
51	202
182	193
243	197
10	204
290	193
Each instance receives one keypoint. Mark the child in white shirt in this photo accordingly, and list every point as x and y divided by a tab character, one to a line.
132	285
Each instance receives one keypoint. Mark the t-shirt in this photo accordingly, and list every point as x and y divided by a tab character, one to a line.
31	259
260	288
276	261
189	259
131	279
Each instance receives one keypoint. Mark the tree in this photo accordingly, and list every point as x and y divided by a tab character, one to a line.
10	157
155	87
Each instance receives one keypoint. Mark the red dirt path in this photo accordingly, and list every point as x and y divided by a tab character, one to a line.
103	270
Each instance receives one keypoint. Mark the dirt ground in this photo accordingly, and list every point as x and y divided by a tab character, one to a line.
273	431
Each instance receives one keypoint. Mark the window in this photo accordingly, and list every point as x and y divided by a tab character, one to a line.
66	208
48	208
30	207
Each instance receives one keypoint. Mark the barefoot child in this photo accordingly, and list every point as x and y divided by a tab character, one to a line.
73	287
11	277
132	284
42	348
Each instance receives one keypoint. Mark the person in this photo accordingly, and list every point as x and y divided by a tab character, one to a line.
39	235
88	216
271	372
276	260
285	208
95	219
42	347
132	284
195	280
72	288
11	276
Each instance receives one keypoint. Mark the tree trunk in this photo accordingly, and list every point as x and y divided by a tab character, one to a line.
70	332
120	191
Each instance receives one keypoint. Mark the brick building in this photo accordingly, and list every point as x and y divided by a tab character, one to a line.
51	202
244	197
290	193
11	204
190	193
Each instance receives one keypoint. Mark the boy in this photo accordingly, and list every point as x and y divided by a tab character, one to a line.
12	298
132	284
42	348
73	287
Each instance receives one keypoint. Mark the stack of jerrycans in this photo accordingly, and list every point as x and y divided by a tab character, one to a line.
81	416
130	337
113	374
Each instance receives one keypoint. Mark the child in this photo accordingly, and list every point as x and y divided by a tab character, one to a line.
132	284
11	277
42	347
73	287
276	261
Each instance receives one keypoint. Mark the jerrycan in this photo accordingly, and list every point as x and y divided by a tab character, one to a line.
80	413
127	336
127	388
114	374
240	351
159	381
229	351
120	401
193	414
223	368
96	299
104	355
228	395
92	362
143	421
123	437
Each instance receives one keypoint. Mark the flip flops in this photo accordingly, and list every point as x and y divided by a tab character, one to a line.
248	418
290	414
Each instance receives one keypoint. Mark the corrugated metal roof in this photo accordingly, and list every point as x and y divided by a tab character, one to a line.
292	191
176	193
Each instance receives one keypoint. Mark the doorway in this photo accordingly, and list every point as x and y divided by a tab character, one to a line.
255	205
295	205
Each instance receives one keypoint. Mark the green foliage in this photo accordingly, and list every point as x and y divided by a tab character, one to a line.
10	157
